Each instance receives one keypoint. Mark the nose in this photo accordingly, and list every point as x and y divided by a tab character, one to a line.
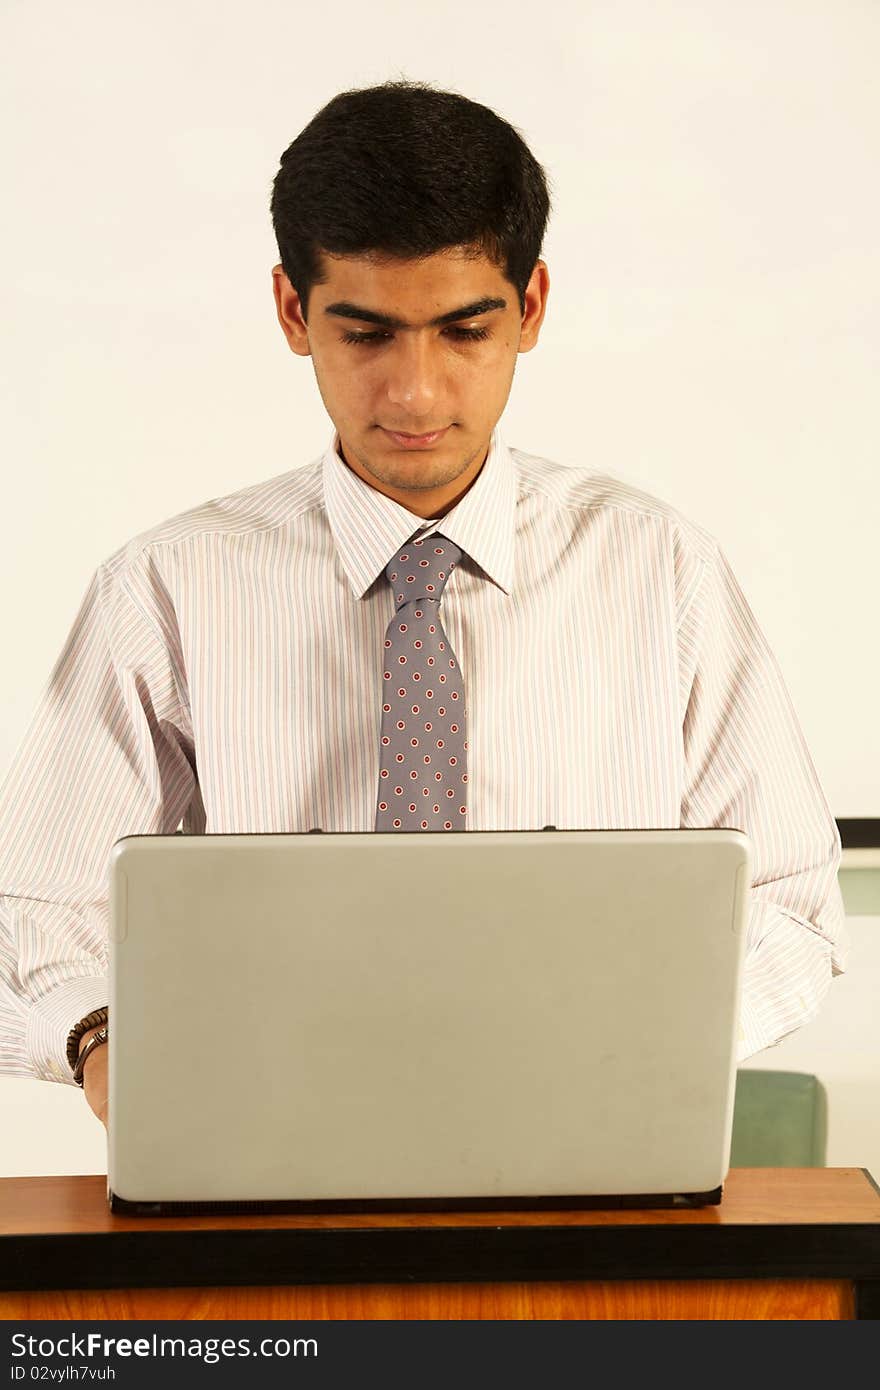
412	381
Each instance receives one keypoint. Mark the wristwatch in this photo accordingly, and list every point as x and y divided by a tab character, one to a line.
90	1021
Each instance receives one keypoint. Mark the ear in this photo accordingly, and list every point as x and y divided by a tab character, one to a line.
536	294
289	310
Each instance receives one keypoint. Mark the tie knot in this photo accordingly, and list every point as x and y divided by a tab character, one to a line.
420	570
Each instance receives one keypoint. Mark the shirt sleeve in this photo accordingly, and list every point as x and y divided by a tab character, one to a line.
747	766
109	752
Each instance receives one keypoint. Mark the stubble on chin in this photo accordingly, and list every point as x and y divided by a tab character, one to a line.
416	472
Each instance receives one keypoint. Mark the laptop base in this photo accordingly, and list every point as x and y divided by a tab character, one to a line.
325	1206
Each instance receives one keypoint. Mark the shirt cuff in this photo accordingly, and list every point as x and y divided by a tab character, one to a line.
51	1019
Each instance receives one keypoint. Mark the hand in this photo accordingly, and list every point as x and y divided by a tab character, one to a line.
95	1077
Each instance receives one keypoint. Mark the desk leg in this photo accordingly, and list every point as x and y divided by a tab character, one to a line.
868	1298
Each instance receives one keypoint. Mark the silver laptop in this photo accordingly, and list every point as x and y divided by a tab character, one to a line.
352	1021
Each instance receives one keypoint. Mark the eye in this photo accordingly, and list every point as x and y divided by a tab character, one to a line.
460	334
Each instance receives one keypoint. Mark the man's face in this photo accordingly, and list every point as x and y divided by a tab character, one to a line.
414	376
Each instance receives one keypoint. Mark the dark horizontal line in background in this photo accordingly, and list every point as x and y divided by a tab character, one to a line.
860	834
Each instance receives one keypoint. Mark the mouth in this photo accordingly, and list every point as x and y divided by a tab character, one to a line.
415	441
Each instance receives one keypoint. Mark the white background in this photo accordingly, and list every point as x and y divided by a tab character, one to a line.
712	331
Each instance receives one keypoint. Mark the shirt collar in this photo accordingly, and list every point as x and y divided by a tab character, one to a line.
368	527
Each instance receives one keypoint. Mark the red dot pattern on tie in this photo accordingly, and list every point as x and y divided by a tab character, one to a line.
423	740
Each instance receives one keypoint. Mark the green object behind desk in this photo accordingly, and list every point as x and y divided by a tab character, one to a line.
860	889
780	1120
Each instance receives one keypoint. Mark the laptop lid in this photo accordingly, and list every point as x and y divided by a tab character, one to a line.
376	1017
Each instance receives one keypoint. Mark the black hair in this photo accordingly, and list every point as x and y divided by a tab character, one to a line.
403	170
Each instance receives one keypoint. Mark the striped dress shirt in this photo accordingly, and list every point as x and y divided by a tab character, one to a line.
224	671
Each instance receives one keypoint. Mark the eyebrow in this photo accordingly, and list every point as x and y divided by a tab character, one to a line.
345	310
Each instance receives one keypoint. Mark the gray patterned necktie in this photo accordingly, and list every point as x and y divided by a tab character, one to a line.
423	777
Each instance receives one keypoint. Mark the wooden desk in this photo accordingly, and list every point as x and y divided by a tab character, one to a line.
785	1243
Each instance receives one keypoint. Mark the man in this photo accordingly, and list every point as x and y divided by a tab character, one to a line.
571	651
